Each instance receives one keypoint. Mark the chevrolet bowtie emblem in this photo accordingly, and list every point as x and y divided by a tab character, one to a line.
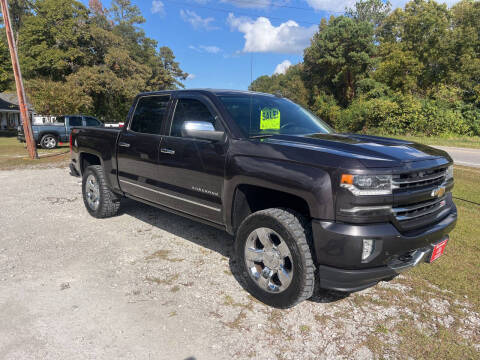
438	192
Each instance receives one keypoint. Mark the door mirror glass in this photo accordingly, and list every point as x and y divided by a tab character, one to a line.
201	130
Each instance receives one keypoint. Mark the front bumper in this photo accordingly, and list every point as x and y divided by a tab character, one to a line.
338	248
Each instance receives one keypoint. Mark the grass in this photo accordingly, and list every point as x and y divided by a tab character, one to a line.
454	141
458	270
451	280
13	154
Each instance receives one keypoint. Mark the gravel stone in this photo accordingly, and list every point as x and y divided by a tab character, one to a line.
148	284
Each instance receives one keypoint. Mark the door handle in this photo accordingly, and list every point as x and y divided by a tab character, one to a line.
124	144
167	151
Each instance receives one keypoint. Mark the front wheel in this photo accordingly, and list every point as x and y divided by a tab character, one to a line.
274	256
99	200
48	141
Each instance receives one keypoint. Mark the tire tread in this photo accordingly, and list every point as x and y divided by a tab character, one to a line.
300	228
110	203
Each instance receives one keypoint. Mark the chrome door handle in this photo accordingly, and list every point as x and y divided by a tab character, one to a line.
167	151
124	144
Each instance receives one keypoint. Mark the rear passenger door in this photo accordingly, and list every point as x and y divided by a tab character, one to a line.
138	147
192	170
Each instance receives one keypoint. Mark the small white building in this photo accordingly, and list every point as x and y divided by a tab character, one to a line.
10	112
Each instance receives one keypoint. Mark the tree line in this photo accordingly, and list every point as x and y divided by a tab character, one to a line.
91	60
414	70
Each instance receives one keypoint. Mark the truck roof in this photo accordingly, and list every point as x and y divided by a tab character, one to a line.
207	90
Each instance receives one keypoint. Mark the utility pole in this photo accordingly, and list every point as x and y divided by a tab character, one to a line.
22	101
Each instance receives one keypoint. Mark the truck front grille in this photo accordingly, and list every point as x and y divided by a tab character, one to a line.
432	177
415	211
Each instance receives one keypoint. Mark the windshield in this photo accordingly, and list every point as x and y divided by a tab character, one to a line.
263	115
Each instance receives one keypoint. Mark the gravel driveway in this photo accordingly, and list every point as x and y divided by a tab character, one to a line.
151	285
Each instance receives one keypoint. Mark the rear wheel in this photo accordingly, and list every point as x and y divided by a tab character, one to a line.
99	200
274	256
49	141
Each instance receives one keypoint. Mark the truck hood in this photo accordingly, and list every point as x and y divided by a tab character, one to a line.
371	151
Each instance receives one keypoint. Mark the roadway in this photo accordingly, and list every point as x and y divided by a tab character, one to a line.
463	156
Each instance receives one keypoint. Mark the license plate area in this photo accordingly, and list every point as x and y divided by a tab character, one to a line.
438	249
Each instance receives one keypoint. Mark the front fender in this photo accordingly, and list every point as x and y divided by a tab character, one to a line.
309	183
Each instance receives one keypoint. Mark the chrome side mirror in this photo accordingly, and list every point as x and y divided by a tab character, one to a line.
201	130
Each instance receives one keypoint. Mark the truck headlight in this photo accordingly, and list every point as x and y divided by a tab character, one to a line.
449	173
367	184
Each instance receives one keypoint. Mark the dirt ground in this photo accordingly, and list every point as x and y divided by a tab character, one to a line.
151	285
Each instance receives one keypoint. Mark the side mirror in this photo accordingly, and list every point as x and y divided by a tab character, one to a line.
201	130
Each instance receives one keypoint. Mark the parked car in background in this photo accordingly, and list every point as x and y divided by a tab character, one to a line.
48	136
306	205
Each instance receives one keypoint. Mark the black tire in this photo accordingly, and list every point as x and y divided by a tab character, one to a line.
49	141
108	202
295	231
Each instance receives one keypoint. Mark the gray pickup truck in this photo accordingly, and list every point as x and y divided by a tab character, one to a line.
48	136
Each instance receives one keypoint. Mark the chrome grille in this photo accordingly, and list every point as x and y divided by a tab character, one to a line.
419	179
415	211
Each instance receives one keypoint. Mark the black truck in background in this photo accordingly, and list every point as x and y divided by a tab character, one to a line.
306	205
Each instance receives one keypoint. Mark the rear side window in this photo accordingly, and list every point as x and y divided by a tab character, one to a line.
150	114
75	120
89	121
191	110
60	120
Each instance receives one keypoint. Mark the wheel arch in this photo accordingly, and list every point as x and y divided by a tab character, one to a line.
249	198
88	159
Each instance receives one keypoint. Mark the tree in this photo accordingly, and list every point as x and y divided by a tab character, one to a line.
465	62
123	12
55	42
341	53
289	85
373	11
96	7
6	71
94	62
399	69
422	29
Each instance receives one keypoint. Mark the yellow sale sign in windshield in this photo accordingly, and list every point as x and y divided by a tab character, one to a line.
270	119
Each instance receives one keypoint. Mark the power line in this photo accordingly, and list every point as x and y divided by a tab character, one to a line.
267	4
238	12
471	202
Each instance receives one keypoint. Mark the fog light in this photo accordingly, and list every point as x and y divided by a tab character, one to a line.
368	247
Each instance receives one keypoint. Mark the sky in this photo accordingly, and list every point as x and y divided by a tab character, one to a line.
225	43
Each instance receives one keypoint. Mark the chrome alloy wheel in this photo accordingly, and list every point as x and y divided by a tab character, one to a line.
92	191
49	142
268	260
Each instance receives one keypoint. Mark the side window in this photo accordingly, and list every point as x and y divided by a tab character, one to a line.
75	121
90	121
150	114
191	110
60	120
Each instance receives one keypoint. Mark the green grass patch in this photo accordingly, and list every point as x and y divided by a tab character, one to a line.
458	269
14	154
453	141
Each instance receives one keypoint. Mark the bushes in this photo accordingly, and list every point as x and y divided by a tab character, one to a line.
403	114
